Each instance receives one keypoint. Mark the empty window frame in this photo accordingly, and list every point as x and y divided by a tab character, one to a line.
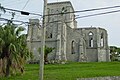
73	47
91	42
102	40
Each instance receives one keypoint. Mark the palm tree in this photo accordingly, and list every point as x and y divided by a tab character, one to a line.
13	47
47	50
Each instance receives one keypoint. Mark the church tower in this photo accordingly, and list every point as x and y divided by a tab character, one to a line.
58	19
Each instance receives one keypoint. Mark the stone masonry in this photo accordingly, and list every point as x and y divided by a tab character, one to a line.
88	44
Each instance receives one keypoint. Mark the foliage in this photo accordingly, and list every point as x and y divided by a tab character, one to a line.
13	49
114	53
69	71
113	49
47	50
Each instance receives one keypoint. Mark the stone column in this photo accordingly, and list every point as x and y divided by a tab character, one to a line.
98	45
33	35
64	43
58	53
81	49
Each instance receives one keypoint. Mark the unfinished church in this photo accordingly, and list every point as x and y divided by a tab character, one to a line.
88	44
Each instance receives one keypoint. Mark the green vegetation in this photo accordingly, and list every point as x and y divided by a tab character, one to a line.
69	71
13	49
47	50
114	53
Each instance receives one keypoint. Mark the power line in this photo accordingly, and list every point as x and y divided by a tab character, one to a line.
22	12
25	4
70	21
87	10
98	14
10	14
6	14
75	12
22	22
4	19
89	15
24	7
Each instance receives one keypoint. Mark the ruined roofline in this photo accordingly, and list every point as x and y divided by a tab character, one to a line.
62	2
90	28
86	28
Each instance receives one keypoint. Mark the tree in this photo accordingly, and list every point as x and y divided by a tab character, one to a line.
47	50
13	48
114	52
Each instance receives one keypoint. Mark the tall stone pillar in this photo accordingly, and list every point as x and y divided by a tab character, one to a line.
98	45
58	53
80	50
107	49
64	42
33	35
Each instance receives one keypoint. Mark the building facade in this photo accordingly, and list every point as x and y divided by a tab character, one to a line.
88	44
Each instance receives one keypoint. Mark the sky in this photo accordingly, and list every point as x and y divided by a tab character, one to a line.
110	22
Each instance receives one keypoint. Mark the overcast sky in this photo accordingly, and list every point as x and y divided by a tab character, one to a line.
110	22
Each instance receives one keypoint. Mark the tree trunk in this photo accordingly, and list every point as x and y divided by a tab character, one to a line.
8	68
45	58
4	60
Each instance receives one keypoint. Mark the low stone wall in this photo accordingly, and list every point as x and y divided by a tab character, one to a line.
101	78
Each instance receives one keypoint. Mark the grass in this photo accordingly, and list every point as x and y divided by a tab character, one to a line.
69	71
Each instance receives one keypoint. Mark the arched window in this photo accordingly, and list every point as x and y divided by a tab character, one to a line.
73	47
102	40
91	42
90	34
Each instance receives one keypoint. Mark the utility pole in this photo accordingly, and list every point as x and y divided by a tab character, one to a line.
43	41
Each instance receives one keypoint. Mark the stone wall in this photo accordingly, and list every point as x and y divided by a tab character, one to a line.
92	55
68	40
96	43
72	35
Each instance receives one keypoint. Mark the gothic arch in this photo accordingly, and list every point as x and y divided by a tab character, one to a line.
91	41
73	47
90	33
102	40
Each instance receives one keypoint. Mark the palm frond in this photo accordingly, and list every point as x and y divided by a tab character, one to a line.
19	30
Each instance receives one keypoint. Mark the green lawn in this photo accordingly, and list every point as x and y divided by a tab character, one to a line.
69	71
